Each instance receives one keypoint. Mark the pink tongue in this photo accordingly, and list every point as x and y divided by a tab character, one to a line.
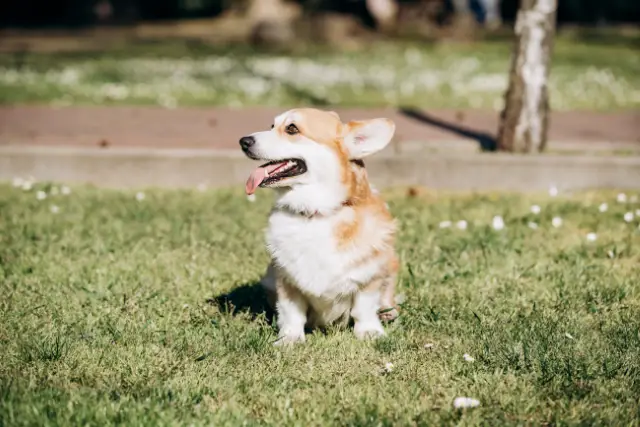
258	175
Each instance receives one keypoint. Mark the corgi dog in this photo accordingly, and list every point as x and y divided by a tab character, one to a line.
330	235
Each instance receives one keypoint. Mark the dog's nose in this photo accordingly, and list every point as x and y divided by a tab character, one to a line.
246	142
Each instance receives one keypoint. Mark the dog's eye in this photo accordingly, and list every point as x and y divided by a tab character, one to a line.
292	129
271	126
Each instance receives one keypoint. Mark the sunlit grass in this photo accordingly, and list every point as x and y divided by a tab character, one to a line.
446	75
108	315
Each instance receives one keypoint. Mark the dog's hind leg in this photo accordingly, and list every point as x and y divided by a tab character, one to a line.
389	310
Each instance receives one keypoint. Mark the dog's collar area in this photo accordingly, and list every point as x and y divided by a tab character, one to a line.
316	214
346	203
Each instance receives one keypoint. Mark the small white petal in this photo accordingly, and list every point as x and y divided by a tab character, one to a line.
592	237
185	306
628	217
603	207
468	358
556	221
445	224
429	345
568	335
65	190
388	367
532	225
251	198
41	195
54	209
497	223
621	198
461	225
611	255
553	191
535	209
140	196
465	402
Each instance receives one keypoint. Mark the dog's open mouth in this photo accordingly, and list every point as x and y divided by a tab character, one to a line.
273	172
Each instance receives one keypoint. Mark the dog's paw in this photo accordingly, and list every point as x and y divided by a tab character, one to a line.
288	340
367	331
388	315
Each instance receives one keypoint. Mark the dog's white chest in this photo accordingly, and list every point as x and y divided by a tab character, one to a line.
307	250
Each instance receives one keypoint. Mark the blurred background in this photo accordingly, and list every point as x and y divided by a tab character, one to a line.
437	54
422	13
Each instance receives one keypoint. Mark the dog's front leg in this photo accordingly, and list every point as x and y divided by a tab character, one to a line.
292	313
365	313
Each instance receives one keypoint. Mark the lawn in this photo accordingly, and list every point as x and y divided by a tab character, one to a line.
113	312
597	75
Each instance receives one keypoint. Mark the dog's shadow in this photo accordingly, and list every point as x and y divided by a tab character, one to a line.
248	298
251	298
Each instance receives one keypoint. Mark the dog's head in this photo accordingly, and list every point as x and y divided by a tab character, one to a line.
309	154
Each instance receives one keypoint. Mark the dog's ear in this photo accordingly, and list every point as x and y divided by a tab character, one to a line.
365	137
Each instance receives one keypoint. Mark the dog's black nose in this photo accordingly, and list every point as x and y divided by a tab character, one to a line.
246	142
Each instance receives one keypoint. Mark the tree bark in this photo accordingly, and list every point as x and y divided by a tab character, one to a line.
525	119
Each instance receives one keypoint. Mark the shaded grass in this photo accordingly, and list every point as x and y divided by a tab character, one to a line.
115	311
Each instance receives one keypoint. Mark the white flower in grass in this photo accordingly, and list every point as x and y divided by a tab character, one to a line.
27	185
621	198
429	345
497	223
465	402
17	182
140	196
468	358
628	217
445	224
535	209
568	335
556	222
592	237
251	197
388	367
461	225
54	209
603	207
41	195
532	225
553	191
65	190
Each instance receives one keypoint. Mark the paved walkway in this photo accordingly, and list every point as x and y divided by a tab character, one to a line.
220	128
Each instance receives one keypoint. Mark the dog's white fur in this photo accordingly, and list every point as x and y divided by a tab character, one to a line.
329	235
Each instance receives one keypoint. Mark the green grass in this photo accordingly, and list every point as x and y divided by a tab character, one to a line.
585	76
110	314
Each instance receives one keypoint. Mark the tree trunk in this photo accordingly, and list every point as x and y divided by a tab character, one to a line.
525	118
